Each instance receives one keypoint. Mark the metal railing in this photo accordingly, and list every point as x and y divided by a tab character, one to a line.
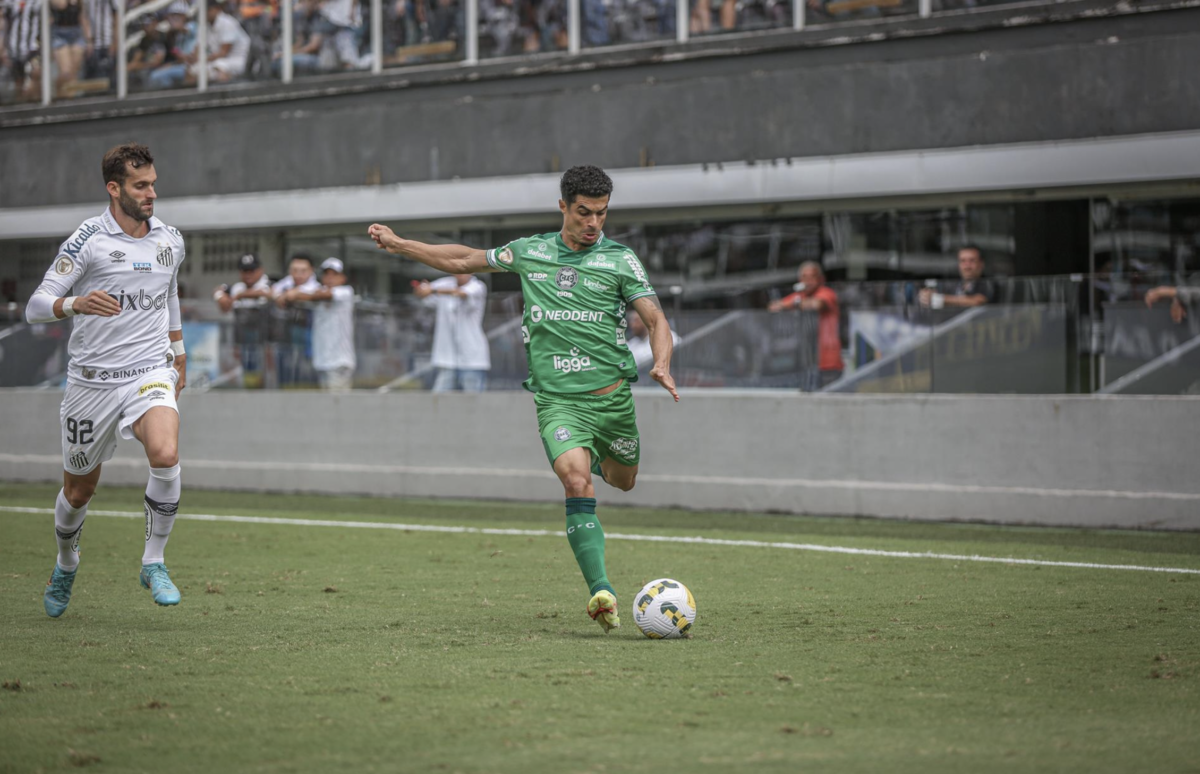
630	22
1038	335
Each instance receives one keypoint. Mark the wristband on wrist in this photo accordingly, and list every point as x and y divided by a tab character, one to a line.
68	306
177	348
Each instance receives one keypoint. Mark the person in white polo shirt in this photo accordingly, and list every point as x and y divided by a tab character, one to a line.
333	327
461	353
228	48
117	275
291	322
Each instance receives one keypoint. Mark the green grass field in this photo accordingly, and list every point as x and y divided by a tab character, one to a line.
306	648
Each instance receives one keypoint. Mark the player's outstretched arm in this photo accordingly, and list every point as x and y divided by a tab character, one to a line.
43	307
452	259
661	343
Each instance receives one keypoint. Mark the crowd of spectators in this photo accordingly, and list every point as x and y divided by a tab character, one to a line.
297	331
245	36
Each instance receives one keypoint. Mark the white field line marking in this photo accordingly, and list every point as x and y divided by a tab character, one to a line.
623	536
651	478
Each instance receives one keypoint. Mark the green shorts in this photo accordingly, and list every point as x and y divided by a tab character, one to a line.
604	424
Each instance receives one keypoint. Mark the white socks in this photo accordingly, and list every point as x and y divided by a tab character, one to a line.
162	501
68	524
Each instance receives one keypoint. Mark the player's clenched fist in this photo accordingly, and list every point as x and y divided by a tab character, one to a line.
385	238
98	303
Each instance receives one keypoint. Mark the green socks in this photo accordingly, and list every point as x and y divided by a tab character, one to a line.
586	537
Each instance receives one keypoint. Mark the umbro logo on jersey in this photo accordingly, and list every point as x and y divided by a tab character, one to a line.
117	256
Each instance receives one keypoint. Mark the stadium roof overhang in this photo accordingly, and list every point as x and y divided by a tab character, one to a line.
1081	167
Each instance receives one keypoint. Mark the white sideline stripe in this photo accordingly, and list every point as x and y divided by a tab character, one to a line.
623	536
651	478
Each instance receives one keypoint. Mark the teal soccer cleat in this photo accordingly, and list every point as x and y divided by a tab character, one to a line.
58	591
157	578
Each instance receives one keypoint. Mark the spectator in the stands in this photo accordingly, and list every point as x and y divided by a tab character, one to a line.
702	16
1181	297
179	44
440	19
310	32
101	56
149	54
228	48
21	52
345	19
71	35
970	290
249	299
813	295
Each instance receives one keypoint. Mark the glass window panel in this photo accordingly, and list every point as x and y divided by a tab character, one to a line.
1142	244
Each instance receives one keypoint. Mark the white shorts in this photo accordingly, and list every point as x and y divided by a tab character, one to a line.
92	418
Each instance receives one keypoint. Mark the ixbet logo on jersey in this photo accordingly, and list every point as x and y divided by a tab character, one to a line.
164	256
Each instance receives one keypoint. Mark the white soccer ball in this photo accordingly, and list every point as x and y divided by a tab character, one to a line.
664	610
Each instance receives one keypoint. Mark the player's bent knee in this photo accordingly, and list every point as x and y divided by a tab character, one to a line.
624	483
79	493
163	456
576	484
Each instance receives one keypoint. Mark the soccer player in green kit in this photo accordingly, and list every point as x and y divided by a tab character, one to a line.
577	286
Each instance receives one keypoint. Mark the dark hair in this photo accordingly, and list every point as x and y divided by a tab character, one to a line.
115	161
586	181
302	257
971	246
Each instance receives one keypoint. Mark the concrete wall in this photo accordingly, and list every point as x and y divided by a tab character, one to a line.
856	89
1092	461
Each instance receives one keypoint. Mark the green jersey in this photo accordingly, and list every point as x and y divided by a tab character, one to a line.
574	320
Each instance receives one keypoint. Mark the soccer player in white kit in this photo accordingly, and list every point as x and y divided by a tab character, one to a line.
127	363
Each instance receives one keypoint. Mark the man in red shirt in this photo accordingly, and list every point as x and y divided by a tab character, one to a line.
814	295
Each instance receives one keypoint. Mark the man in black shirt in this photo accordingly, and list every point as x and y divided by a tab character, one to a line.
970	290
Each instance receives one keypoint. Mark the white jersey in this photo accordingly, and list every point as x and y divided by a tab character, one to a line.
226	30
141	274
333	330
311	285
263	283
458	337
